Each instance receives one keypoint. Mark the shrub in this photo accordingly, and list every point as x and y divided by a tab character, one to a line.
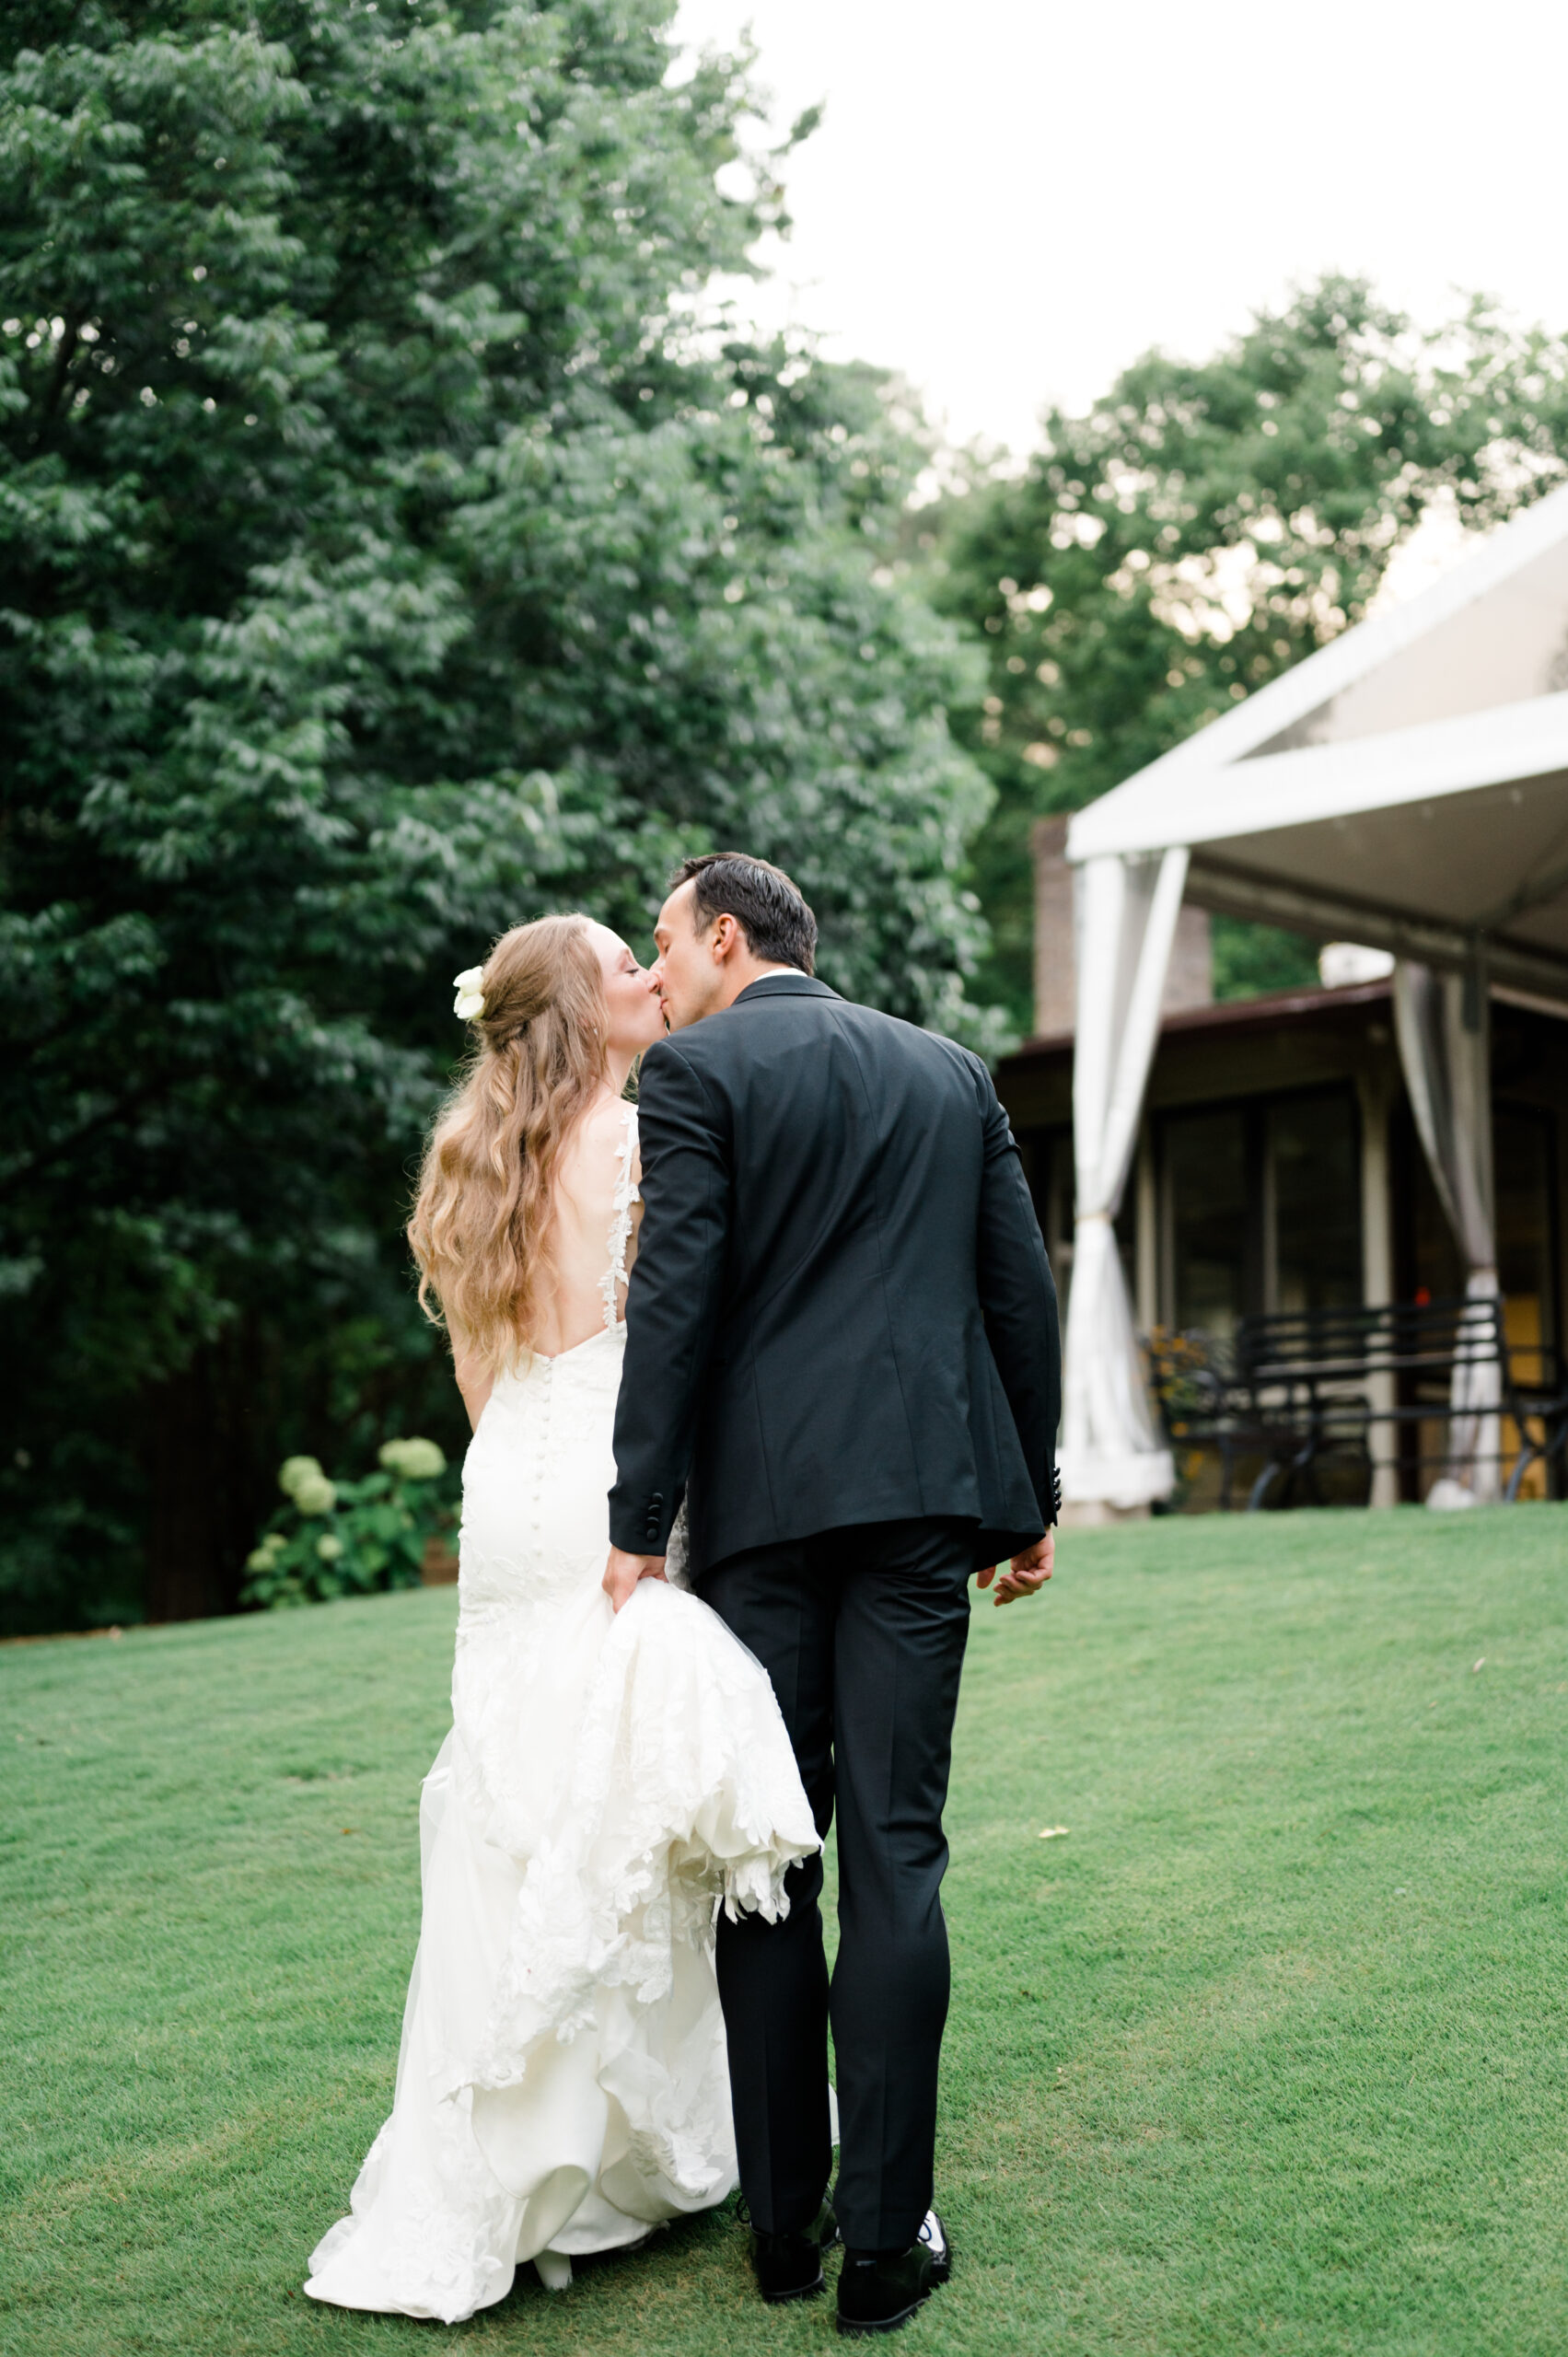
350	1537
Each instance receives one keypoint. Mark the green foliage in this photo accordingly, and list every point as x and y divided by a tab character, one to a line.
1265	2054
384	559
1205	527
351	1537
1252	959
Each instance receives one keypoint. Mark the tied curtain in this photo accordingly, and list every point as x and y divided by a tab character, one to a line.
1126	912
1443	1025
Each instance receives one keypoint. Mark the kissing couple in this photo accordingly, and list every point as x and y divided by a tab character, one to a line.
760	1374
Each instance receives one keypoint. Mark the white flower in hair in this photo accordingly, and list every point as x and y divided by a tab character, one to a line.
470	1003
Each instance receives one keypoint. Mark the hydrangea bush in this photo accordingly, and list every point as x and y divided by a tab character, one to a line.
351	1537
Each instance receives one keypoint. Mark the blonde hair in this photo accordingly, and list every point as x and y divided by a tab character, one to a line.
482	1218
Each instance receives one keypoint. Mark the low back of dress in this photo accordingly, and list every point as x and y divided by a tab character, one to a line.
594	1199
536	1479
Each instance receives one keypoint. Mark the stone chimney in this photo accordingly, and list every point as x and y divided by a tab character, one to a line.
1190	982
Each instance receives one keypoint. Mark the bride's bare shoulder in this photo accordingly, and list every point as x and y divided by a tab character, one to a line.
608	1116
601	1129
590	1164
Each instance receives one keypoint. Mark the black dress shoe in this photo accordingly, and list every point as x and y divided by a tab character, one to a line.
878	2291
789	2267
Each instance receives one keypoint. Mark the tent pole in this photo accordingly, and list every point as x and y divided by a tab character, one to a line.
1378	1268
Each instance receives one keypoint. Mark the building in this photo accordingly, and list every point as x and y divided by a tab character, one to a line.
1278	1167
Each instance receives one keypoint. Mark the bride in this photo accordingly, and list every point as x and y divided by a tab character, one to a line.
609	1780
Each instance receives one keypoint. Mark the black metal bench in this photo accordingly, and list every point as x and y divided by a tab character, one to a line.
1205	1404
1296	1387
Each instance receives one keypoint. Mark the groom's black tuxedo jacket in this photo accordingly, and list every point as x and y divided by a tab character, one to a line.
841	1310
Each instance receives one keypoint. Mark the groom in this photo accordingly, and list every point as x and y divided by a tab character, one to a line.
842	1347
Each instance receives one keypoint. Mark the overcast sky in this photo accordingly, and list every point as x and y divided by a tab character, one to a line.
1009	198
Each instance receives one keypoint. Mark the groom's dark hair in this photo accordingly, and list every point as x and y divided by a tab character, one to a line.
770	909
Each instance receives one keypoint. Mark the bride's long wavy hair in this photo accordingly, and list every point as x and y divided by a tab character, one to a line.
482	1218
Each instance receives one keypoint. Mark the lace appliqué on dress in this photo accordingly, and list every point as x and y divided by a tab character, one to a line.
614	1278
678	1554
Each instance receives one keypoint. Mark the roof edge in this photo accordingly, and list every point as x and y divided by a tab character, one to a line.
1310	999
1240	1014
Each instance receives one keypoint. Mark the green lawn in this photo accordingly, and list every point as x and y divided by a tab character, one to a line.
1268	2052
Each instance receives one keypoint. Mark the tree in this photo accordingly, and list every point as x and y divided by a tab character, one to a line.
384	557
1201	529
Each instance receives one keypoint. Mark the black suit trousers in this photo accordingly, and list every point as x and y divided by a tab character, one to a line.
862	1632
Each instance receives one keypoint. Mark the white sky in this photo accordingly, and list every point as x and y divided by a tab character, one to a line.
1010	199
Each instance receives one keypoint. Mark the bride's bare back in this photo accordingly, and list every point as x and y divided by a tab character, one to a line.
588	1172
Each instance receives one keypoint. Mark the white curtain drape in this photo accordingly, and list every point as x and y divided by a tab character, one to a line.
1126	912
1443	1023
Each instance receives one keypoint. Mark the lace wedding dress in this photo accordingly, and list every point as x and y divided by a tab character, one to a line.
609	1782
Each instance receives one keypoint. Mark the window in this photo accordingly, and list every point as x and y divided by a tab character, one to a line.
1208	1205
1523	1159
1260	1209
1312	1203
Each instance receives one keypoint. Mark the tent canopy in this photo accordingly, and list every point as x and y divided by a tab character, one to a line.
1406	786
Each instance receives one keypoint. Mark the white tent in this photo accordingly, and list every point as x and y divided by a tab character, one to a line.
1406	787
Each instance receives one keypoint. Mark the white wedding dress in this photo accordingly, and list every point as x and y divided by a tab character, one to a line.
609	1782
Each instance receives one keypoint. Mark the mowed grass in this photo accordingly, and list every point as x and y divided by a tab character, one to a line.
1268	2052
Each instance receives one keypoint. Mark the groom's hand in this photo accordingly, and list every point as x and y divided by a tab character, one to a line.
1025	1575
623	1571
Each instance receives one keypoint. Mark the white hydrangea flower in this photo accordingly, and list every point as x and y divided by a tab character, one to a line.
294	1469
469	1003
318	1496
328	1547
412	1460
